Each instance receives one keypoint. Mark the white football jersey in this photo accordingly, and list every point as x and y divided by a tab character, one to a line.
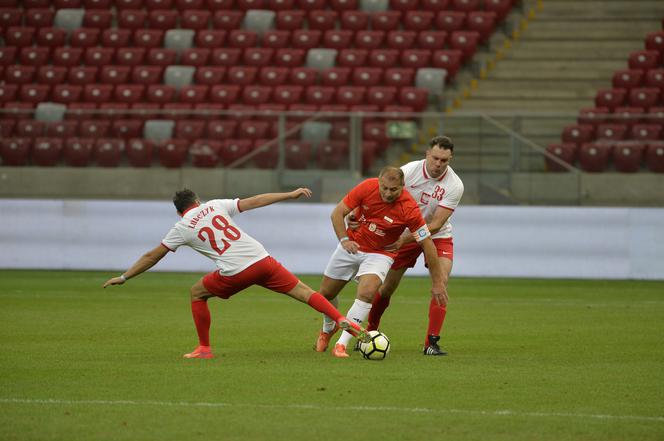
210	230
430	193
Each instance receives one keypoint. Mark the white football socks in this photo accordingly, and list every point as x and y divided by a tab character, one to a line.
328	323
357	313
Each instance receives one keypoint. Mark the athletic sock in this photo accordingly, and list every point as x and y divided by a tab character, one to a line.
201	314
328	322
436	318
378	307
357	313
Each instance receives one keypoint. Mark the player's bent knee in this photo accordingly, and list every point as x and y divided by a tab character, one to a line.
199	292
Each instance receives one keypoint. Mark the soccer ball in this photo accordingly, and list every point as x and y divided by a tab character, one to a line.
377	347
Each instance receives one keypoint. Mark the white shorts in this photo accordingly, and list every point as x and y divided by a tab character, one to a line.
345	266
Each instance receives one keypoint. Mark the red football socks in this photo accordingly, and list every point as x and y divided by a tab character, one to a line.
436	318
321	304
201	314
378	307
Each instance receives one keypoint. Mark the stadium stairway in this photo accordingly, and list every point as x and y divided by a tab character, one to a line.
560	52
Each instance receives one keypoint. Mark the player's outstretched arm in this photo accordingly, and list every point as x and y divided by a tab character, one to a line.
438	277
144	263
261	200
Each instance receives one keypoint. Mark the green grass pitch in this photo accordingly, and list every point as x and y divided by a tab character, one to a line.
529	360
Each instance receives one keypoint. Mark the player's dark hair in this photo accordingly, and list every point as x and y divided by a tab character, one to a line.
442	142
184	199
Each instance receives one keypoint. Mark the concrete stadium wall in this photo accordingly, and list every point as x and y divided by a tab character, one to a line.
597	243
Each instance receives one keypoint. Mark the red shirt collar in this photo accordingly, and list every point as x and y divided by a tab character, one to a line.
426	175
190	208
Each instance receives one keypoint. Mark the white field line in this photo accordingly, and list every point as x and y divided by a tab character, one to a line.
422	410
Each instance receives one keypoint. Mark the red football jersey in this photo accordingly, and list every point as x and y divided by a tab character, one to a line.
382	223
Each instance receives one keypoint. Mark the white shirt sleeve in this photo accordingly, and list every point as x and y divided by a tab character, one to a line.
230	206
452	196
173	240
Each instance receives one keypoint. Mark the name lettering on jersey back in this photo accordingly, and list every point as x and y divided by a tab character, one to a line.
201	215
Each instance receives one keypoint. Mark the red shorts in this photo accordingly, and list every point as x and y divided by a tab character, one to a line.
408	254
267	273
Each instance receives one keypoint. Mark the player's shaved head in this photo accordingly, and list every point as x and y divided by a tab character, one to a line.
392	174
184	199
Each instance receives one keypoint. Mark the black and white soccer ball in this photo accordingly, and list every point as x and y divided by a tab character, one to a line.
377	347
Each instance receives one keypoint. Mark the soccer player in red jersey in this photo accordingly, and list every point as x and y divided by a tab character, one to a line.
241	260
437	190
384	211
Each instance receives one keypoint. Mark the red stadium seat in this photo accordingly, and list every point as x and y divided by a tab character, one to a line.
7	55
128	4
369	39
242	75
243	39
194	94
97	4
627	116
255	95
594	157
18	74
160	93
276	39
655	156
7	128
54	37
417	20
140	152
578	134
161	57
183	5
19	109
210	38
322	19
204	153
593	115
610	98
431	40
8	92
312	4
279	5
234	149
367	76
401	39
253	129
15	151
335	76
351	95
77	152
210	75
249	4
627	78
305	38
303	76
97	93
319	95
288	94
500	7
195	57
10	17
46	152
97	18
450	21
79	110
375	131
39	17
127	128
644	97
190	129
99	56
19	36
130	56
332	155
38	56
655	78
399	77
173	153
337	39
129	93
482	22
149	38
146	74
114	37
655	42
221	129
29	128
288	57
65	94
84	37
113	110
290	20
225	94
258	56
108	151
114	74
466	42
196	19
353	20
158	4
297	154
465	5
415	58
82	75
565	152
228	19
644	60
614	132
92	128
267	156
163	19
414	97
385	20
384	58
644	132
273	75
62	129
225	57
628	156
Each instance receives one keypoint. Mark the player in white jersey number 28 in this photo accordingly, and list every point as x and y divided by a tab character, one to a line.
241	260
437	190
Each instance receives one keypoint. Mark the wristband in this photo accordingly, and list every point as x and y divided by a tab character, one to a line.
343	239
123	277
